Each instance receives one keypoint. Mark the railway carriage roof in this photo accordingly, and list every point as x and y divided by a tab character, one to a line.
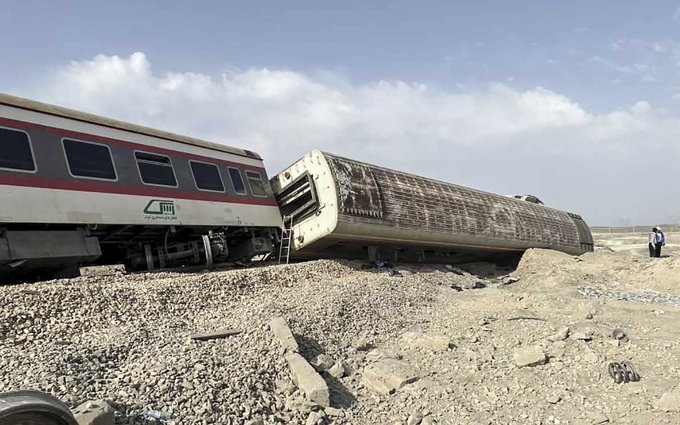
45	108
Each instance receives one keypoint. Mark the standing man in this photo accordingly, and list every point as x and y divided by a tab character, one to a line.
660	241
652	243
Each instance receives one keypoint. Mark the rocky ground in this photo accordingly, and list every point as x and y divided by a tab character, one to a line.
429	344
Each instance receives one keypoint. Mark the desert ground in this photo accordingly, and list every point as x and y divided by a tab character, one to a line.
418	344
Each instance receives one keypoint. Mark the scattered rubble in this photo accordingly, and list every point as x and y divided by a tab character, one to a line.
531	356
129	342
386	376
306	378
322	362
94	413
560	335
282	332
338	370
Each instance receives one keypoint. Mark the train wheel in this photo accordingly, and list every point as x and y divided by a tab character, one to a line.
33	408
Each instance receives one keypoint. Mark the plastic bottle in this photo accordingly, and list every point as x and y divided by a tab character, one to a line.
156	414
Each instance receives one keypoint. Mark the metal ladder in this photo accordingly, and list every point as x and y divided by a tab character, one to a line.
286	238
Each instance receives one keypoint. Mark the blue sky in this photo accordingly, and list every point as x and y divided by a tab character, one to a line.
567	100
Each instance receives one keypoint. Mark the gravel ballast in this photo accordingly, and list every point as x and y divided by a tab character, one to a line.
450	338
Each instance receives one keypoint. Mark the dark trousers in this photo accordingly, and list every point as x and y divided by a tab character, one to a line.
652	250
657	250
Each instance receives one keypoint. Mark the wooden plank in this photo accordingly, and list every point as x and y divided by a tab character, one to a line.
217	334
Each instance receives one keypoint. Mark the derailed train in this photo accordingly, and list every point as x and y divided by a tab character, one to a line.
339	207
77	188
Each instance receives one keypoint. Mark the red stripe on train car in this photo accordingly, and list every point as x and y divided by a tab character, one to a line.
25	125
24	180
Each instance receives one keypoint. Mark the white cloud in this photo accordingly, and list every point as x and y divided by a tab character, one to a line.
499	139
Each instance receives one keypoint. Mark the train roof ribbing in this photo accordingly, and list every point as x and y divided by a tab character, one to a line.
59	111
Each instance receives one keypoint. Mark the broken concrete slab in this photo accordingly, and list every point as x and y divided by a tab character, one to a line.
333	412
386	376
432	342
560	335
94	412
307	380
322	362
338	370
282	332
583	334
220	333
531	356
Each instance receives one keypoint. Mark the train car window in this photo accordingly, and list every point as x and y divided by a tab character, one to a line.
206	176
237	180
87	159
155	169
256	184
15	151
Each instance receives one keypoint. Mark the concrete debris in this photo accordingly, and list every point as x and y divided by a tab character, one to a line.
583	335
97	412
307	380
338	370
284	386
560	335
322	362
282	332
220	333
333	412
314	418
432	342
386	376
531	356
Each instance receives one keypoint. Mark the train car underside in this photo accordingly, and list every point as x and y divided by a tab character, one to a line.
57	251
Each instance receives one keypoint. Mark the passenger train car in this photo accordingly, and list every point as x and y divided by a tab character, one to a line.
76	188
338	207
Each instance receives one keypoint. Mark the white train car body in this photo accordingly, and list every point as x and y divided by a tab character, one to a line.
118	191
340	206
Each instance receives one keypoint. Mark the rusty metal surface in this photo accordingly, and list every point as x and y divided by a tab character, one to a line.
383	197
357	188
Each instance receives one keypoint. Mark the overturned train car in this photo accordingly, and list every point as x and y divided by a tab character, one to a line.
338	207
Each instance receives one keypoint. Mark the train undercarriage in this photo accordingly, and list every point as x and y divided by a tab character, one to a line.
50	252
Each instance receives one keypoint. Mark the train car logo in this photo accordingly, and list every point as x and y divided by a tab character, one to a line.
160	209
